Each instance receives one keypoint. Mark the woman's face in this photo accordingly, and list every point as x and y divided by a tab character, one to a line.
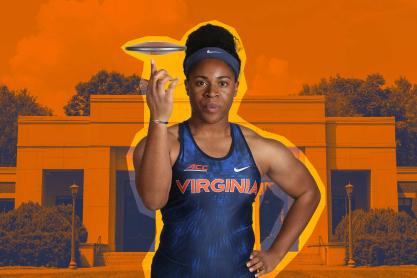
211	87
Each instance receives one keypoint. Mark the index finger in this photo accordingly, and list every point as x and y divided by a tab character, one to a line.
153	67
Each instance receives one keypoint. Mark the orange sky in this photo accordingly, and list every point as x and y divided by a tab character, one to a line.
50	46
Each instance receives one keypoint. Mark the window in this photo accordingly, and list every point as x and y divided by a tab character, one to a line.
7	187
406	204
6	204
67	200
405	201
407	193
360	179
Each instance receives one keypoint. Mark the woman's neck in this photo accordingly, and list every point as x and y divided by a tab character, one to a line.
204	129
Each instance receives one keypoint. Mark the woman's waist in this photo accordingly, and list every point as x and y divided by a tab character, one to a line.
237	251
207	243
198	266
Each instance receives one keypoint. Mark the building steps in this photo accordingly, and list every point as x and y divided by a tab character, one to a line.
308	258
121	258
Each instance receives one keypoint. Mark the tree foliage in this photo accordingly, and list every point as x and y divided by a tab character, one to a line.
38	236
13	104
380	236
102	83
371	98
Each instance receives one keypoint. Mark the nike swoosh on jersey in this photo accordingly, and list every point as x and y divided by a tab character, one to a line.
237	170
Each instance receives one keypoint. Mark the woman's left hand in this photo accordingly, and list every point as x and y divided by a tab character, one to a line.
262	262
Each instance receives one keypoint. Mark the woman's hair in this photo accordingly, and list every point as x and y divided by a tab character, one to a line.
211	36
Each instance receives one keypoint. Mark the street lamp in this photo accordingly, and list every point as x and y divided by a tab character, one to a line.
349	189
74	190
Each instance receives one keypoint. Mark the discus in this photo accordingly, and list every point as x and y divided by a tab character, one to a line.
156	47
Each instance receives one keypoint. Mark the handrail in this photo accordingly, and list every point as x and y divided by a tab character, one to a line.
321	243
98	246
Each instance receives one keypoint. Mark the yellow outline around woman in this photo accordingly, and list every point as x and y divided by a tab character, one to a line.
182	110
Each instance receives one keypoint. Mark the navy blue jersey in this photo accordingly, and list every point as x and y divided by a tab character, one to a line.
207	220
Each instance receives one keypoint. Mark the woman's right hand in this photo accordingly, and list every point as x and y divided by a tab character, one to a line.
159	100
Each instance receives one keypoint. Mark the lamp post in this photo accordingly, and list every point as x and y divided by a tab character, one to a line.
349	189
74	190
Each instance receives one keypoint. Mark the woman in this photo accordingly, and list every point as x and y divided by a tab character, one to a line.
204	173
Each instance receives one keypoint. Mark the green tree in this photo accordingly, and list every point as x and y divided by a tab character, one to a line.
102	83
357	97
14	103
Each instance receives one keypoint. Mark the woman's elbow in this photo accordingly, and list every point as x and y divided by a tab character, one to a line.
316	195
152	203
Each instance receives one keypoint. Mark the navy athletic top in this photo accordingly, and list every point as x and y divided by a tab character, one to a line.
207	228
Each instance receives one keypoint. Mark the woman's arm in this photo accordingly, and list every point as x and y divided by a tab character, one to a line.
151	156
153	167
293	177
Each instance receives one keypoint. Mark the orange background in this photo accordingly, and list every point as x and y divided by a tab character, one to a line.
50	46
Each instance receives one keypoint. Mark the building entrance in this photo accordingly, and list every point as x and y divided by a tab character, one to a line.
56	188
135	229
360	179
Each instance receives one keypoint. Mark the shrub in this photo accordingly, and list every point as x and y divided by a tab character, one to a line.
381	236
38	236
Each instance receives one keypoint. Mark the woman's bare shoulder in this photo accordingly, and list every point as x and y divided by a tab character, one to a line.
260	144
256	144
259	140
251	135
